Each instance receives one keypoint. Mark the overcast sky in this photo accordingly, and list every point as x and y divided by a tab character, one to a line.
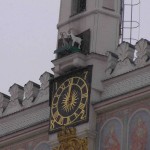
28	38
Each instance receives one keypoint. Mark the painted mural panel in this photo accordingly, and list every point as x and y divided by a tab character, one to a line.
111	135
139	131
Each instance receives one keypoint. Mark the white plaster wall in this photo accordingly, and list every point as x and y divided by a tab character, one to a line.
107	33
103	23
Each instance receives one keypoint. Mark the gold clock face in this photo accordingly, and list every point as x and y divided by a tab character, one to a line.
70	100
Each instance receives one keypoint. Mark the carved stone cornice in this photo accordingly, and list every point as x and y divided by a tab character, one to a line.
143	52
122	61
44	79
4	100
16	99
43	94
125	51
31	91
16	92
88	13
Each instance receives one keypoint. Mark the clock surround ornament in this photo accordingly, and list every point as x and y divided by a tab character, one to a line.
69	99
68	140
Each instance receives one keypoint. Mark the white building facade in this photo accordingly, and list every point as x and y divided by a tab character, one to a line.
117	101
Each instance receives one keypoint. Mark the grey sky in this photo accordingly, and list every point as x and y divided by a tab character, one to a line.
28	38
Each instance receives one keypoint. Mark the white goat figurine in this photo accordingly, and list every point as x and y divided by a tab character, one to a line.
62	36
74	38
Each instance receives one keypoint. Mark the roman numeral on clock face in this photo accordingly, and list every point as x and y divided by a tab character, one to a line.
76	115
56	115
81	106
83	86
68	120
62	86
61	121
85	75
85	95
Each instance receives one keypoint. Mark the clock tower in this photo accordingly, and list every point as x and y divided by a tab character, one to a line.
101	17
87	29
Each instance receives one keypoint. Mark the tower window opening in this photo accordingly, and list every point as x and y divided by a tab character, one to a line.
78	6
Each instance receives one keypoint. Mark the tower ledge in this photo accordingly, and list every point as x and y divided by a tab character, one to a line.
88	13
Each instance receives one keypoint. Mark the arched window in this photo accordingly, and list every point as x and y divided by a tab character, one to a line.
43	146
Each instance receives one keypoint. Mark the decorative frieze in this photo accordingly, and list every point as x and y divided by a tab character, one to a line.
44	79
129	58
68	140
43	94
16	99
122	61
4	100
111	62
125	51
23	97
31	91
143	52
16	92
125	63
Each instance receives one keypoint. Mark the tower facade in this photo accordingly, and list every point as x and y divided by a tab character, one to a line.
101	17
86	31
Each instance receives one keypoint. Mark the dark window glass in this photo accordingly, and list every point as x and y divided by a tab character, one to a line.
78	6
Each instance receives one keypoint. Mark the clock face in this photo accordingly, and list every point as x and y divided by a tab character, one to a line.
70	99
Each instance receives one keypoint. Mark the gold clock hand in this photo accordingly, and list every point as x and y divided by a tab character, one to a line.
70	86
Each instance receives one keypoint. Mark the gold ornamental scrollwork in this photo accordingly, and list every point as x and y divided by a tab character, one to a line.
69	141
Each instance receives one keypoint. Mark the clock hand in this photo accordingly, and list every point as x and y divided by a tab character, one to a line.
70	87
